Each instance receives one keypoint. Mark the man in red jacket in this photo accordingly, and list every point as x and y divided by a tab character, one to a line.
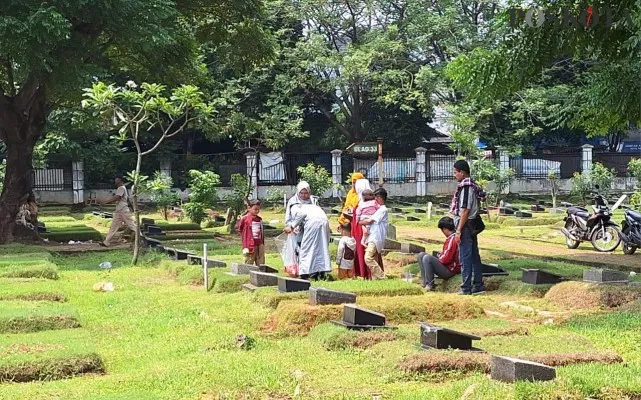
250	228
447	264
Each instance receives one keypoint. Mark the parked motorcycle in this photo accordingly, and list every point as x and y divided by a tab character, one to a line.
597	228
631	231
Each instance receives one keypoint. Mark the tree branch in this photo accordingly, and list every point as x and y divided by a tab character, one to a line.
10	78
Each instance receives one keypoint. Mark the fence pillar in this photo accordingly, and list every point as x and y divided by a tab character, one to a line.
421	172
504	165
165	167
252	173
78	172
337	171
586	158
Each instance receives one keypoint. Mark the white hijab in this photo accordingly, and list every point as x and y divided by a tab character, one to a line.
360	186
295	199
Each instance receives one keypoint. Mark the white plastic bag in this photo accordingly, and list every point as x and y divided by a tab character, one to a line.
287	247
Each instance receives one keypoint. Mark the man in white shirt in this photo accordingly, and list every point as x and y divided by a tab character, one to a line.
122	215
377	235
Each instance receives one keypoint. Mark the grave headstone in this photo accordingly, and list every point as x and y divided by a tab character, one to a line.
493	270
262	279
605	276
537	208
41	228
511	206
220	219
391	232
147	221
321	296
358	318
107	215
548	204
429	210
288	285
444	206
267	268
153	243
411	248
436	337
397	210
193	259
97	213
508	369
181	254
523	214
154	230
392	245
242	269
506	211
420	211
269	227
540	277
566	204
542	202
413	219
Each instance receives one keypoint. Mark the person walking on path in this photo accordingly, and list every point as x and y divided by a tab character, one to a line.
465	207
122	215
447	264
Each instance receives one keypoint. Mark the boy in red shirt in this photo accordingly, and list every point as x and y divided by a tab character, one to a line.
447	264
251	232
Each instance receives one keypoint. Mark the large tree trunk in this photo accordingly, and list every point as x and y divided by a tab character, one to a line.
22	122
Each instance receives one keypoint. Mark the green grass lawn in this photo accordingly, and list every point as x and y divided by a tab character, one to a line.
160	335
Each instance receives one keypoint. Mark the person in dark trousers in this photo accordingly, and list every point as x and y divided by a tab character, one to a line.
465	208
447	264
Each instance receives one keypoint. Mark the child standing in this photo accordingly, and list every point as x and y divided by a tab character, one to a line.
346	253
366	210
251	232
378	233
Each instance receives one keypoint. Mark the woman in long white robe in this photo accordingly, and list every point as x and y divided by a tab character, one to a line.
314	260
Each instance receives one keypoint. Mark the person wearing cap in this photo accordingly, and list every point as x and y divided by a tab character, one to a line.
122	215
465	207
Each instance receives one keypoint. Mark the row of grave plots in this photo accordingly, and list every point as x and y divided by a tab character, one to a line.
42	336
449	330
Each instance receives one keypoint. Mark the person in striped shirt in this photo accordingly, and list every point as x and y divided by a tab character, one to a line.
447	264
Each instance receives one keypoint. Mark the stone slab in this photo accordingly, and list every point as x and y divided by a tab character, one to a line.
506	211
391	232
420	210
540	277
354	315
249	287
411	248
566	204
508	369
537	208
493	270
267	268
288	285
262	279
392	245
147	221
321	296
523	214
413	219
397	210
605	276
243	269
436	337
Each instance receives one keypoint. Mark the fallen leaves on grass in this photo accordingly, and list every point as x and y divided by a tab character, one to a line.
560	360
510	331
36	296
22	348
52	369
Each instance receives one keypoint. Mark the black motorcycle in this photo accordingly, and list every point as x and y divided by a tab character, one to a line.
631	231
597	228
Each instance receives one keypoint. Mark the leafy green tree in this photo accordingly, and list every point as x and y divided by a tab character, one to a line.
50	50
318	177
138	111
238	199
581	185
161	194
603	177
634	168
203	194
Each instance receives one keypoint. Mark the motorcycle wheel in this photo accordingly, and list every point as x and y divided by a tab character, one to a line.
608	243
627	247
571	243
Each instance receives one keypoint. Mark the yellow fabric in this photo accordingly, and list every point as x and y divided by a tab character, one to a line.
351	200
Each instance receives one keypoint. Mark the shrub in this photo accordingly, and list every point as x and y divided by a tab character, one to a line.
319	179
275	195
634	169
203	194
603	177
581	185
161	194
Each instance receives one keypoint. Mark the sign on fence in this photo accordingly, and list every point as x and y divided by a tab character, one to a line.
368	148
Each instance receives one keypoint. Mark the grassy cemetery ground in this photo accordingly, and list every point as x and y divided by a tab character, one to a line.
160	335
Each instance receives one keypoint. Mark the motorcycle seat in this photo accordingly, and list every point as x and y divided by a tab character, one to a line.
579	211
634	215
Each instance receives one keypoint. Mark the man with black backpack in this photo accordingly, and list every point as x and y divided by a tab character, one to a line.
346	253
465	207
